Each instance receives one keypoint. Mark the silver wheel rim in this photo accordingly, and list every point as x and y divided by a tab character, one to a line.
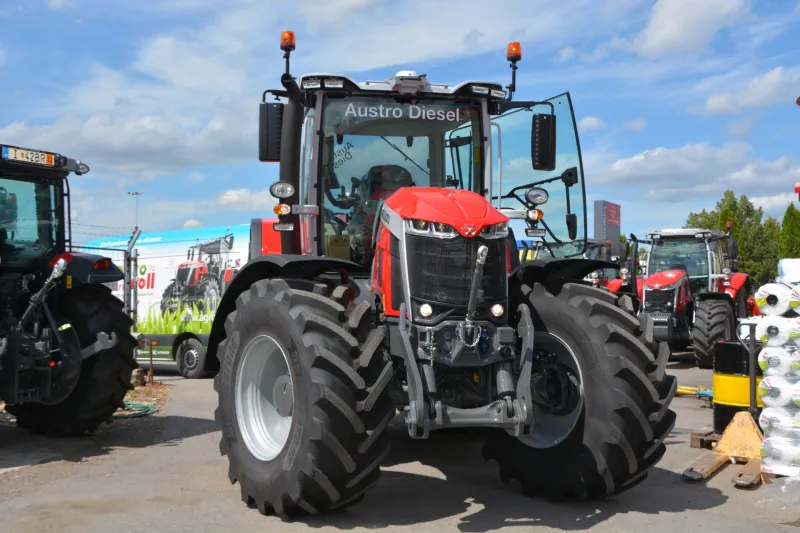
264	397
548	429
190	358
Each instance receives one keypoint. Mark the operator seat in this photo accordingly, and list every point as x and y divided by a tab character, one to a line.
382	181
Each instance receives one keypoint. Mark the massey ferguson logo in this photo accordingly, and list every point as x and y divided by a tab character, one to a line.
469	229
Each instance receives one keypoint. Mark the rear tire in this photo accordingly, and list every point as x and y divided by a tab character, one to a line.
340	407
714	320
619	434
105	377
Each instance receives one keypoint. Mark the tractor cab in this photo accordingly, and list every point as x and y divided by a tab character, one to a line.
361	143
34	223
702	256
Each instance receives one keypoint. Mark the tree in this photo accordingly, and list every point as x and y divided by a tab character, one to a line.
758	242
790	233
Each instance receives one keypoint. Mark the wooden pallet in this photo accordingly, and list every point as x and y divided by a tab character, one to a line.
706	439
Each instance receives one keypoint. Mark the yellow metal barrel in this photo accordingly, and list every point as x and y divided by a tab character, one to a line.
731	382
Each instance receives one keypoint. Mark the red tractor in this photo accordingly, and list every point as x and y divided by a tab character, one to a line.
416	300
202	278
693	289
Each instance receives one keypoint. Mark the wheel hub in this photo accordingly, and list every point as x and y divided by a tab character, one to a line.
556	391
264	397
283	396
190	358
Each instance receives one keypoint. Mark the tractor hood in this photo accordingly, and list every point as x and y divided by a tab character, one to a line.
664	279
191	263
468	212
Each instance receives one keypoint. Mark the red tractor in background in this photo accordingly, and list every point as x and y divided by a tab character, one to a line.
202	278
398	285
693	289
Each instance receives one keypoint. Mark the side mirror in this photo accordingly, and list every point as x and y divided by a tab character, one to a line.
543	141
270	122
572	226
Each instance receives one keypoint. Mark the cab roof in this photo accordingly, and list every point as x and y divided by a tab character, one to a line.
686	233
19	157
405	81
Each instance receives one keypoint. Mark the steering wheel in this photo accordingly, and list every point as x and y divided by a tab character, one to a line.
331	217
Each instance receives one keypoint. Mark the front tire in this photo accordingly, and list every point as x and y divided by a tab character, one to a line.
714	320
611	440
331	407
105	377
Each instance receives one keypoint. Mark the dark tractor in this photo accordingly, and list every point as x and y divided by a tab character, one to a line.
66	351
202	278
416	300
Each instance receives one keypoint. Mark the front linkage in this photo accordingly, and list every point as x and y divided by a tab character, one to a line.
507	411
50	381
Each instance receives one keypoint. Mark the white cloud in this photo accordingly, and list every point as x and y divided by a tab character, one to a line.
684	26
739	128
693	171
591	123
777	86
566	53
189	96
245	199
192	223
59	4
776	204
637	124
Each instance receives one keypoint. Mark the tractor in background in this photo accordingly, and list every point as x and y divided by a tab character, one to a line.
693	289
202	278
398	286
66	351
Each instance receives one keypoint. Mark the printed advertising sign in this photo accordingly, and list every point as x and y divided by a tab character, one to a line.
180	279
607	224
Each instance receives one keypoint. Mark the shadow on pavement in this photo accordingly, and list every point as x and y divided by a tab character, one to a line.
473	485
20	448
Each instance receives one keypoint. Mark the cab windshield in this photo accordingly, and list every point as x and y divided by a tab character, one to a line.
373	146
29	225
668	254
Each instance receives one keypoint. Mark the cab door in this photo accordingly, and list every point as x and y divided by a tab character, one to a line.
523	141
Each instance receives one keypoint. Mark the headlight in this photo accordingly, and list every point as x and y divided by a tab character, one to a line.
281	189
430	229
495	231
537	196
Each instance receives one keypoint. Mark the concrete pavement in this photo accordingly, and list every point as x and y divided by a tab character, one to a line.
165	473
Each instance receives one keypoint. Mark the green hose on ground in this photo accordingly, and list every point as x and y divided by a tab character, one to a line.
136	410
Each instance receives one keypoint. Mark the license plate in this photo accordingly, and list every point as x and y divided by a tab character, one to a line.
27	156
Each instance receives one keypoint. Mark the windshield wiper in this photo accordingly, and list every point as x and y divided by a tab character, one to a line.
404	155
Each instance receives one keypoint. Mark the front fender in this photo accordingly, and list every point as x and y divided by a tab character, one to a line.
267	267
738	280
83	269
703	296
559	270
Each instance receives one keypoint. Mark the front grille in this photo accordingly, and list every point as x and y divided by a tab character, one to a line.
182	276
658	299
440	270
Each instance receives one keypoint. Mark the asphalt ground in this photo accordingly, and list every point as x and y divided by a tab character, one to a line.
164	473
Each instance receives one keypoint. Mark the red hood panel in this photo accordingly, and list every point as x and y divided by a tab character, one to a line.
664	279
461	209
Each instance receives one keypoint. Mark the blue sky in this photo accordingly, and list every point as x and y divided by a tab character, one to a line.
678	99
